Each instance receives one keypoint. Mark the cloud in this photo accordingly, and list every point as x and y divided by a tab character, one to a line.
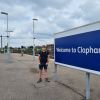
53	16
91	10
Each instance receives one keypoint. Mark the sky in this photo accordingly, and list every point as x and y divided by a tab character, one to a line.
53	16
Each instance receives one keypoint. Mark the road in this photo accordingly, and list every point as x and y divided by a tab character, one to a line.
19	75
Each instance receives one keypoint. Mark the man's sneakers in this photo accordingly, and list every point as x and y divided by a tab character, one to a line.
40	80
46	79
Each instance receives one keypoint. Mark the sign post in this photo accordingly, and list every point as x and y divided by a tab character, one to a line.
87	86
55	76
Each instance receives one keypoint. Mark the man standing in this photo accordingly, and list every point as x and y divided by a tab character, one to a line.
43	63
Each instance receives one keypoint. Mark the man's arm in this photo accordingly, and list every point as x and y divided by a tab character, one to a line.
39	58
48	59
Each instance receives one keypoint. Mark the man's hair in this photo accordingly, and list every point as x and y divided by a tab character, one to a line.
43	46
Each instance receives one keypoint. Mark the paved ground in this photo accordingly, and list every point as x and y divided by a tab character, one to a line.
18	81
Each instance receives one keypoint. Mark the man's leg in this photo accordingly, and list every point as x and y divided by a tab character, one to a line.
40	73
46	73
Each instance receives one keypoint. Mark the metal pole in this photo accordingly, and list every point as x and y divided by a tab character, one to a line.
1	41
87	86
33	42
55	76
7	32
7	37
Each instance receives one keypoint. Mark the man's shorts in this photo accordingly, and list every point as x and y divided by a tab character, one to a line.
41	66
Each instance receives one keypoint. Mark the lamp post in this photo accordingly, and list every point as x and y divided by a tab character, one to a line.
4	13
9	40
1	42
34	19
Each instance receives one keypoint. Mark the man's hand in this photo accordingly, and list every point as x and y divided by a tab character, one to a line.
48	59
39	63
47	63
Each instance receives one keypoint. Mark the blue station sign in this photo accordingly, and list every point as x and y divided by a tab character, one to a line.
79	48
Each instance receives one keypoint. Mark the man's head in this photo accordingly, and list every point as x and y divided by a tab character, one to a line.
44	48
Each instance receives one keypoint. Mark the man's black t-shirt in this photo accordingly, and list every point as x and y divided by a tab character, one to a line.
43	56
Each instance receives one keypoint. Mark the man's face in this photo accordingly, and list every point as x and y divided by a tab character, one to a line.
43	49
